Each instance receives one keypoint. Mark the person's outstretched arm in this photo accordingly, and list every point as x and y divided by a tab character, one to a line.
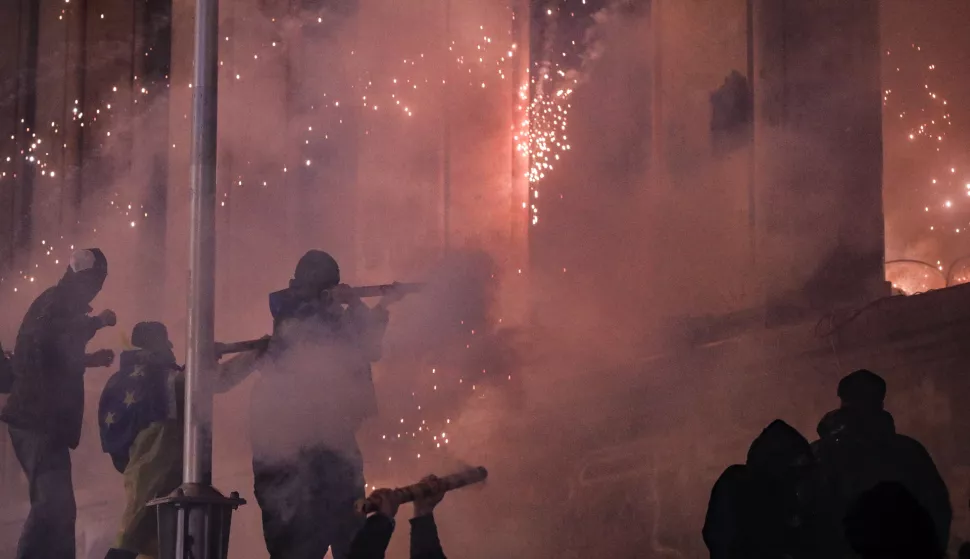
424	532
372	540
424	538
231	372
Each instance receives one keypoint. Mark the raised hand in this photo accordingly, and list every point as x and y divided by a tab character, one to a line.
100	358
108	318
425	505
343	294
387	505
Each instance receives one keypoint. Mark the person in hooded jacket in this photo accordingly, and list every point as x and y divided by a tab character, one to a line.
142	419
46	404
314	392
859	448
762	509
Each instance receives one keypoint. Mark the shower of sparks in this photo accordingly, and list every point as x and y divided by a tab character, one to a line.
38	153
542	136
485	63
918	113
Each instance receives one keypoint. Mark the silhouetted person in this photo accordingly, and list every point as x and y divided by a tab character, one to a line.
142	419
887	522
46	404
759	510
314	393
858	448
372	540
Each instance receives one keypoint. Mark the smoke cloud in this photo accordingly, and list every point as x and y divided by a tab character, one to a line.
382	132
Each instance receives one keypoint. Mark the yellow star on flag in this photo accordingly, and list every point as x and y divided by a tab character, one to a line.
109	419
138	372
129	398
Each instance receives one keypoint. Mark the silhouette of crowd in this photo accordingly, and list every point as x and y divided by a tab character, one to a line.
860	490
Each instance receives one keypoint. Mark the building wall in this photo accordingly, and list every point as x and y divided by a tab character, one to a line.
696	196
19	45
810	219
819	137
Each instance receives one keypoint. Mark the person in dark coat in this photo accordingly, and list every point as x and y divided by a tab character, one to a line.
314	392
142	420
859	448
46	403
372	540
761	510
887	522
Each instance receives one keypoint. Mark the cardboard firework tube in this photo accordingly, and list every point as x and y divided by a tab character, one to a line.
239	347
381	290
422	489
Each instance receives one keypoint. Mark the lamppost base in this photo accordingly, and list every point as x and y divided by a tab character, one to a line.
194	522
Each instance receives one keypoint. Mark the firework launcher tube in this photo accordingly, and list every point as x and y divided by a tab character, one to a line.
422	489
362	292
381	290
239	347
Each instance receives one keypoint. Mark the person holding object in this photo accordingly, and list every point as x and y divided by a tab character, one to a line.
46	403
314	393
142	419
372	540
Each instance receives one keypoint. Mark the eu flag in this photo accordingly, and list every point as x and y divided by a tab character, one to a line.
142	392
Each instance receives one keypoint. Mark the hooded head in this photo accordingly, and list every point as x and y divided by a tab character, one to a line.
317	270
152	337
85	275
862	390
779	448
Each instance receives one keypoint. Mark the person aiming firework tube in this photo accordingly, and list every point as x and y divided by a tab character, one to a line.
314	392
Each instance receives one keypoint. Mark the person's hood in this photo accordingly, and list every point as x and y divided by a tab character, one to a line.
778	448
851	422
151	336
316	270
83	279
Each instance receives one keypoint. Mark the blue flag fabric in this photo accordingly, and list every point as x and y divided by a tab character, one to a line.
142	392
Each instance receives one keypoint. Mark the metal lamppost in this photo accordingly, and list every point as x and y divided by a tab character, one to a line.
194	521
